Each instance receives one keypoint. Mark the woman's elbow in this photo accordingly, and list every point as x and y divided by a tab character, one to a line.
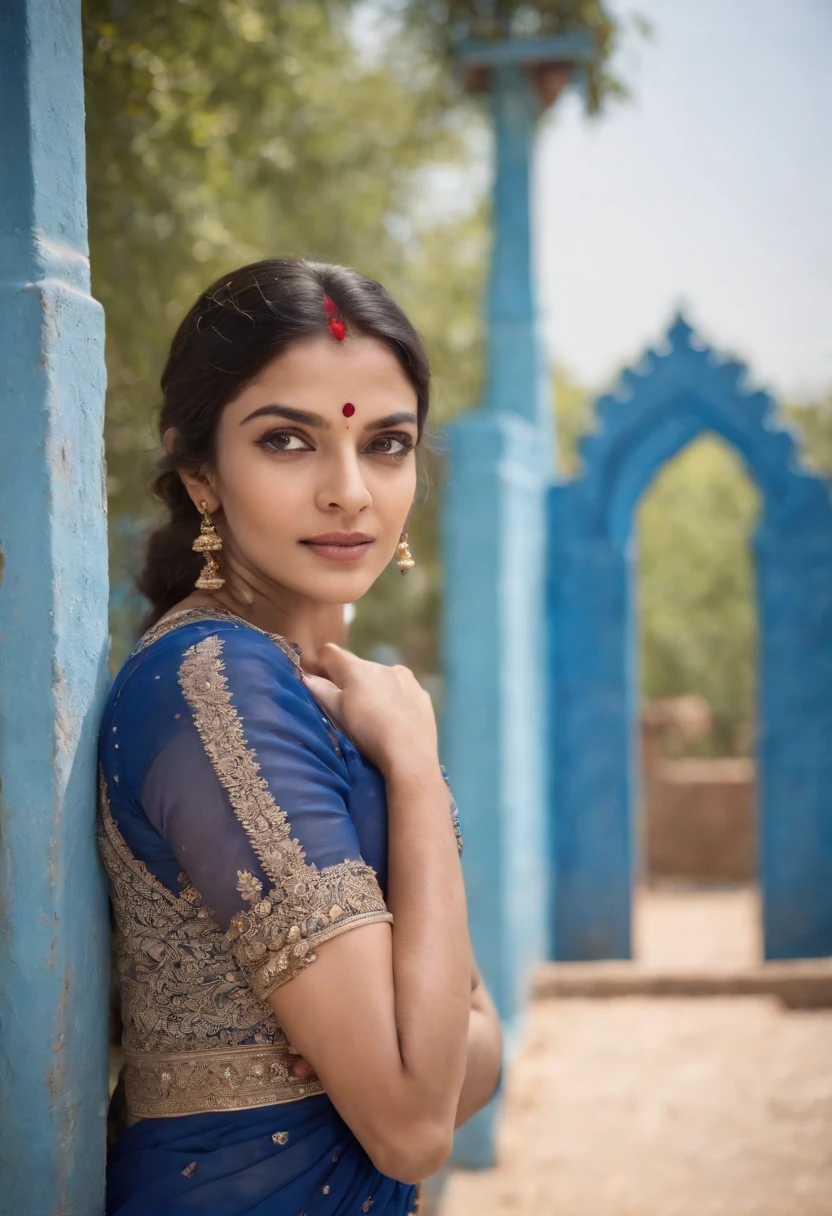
410	1155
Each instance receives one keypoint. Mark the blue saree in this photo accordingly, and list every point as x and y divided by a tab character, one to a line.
239	829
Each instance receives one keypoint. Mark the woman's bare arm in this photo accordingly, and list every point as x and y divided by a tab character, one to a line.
383	1014
484	1056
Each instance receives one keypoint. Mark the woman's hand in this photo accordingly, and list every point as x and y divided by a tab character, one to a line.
384	710
301	1068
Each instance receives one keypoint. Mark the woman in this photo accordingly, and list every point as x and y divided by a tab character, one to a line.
303	1023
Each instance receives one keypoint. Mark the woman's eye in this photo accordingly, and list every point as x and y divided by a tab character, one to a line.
283	441
392	445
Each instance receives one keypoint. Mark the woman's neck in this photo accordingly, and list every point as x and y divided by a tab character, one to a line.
308	625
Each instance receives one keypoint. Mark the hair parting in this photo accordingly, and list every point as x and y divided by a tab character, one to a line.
336	321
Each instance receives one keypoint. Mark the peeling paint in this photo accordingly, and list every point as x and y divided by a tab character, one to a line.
66	1120
59	462
55	1074
66	732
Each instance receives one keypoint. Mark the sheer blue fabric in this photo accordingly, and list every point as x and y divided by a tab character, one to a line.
227	1164
207	724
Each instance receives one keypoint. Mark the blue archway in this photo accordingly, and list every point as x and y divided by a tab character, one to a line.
669	400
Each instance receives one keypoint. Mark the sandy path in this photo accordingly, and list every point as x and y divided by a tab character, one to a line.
645	1107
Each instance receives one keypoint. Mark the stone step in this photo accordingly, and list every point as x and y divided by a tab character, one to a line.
798	984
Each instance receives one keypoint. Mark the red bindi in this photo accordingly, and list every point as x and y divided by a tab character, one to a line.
348	410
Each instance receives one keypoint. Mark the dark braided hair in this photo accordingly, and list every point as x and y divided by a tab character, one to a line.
234	330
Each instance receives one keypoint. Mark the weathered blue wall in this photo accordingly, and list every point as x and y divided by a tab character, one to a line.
662	406
53	630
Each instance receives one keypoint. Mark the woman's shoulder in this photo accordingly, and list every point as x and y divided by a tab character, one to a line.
192	624
182	643
209	671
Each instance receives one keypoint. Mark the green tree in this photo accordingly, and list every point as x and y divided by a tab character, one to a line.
812	423
221	132
696	595
573	420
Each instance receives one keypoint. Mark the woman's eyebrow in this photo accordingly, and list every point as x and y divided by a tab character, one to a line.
303	417
392	420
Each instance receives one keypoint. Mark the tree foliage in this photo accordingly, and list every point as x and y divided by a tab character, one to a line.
696	593
447	22
222	131
812	422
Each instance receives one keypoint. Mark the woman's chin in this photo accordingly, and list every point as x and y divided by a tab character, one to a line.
336	586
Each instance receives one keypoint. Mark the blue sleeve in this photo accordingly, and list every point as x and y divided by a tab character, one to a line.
240	777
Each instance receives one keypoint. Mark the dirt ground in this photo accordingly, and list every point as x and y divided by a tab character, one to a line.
659	1107
674	926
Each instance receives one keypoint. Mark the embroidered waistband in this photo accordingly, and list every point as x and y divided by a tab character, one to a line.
159	1085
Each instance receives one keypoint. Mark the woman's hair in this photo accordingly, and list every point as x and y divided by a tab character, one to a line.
234	330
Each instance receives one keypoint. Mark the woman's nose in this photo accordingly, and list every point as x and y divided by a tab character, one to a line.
344	487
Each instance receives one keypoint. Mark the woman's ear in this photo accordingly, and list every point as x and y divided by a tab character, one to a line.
200	490
198	485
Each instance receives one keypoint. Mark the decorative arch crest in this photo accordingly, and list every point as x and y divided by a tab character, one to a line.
672	396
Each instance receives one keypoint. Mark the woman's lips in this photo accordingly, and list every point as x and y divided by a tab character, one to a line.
340	547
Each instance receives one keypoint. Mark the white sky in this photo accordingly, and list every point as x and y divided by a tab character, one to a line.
711	189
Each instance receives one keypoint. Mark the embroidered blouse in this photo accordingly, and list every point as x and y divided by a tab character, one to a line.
239	830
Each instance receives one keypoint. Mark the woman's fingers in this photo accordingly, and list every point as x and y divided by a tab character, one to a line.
327	694
301	1068
375	705
337	663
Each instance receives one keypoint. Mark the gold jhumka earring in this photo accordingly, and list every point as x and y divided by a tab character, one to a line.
404	558
208	542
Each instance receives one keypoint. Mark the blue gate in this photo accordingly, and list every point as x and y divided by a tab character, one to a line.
667	402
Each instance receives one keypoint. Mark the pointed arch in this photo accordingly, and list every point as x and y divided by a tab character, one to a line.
674	395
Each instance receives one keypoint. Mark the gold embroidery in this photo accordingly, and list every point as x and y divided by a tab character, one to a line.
454	811
280	1138
196	1038
274	939
189	1170
179	983
192	1082
187	615
456	824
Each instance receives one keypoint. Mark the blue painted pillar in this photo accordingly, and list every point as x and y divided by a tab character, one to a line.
53	630
517	369
794	587
594	766
494	734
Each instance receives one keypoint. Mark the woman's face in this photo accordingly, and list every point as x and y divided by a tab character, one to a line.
313	499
